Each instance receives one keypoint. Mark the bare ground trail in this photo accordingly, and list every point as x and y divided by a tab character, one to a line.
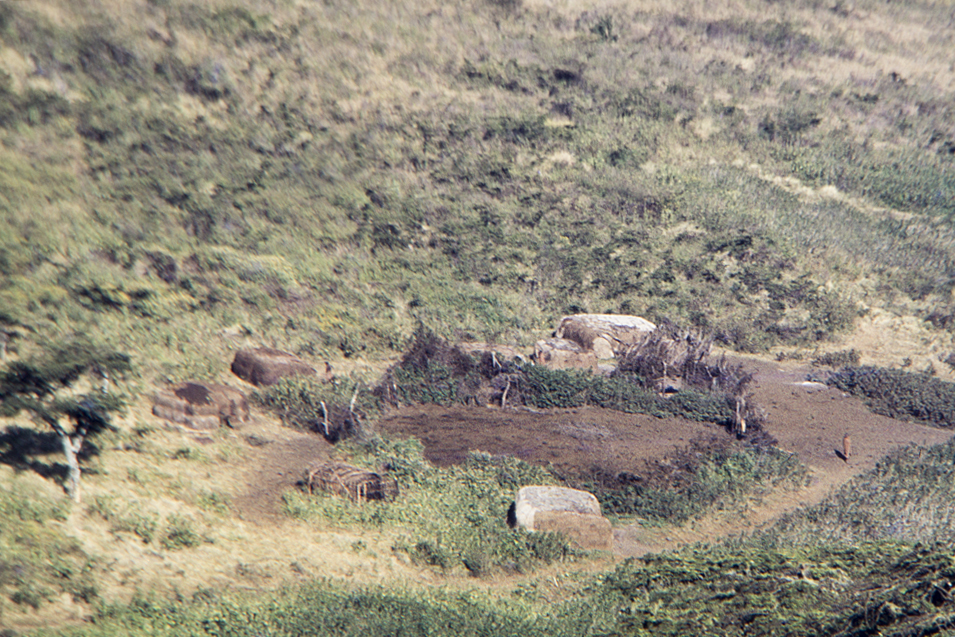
256	546
808	419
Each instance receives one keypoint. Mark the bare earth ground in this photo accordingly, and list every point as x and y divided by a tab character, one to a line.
256	546
808	419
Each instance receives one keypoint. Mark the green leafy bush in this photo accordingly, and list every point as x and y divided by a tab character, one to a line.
336	410
38	561
432	371
706	475
842	358
453	518
900	394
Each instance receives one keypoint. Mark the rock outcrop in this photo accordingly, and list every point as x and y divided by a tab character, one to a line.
561	353
265	366
604	334
575	514
201	406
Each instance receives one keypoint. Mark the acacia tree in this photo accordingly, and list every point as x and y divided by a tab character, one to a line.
44	387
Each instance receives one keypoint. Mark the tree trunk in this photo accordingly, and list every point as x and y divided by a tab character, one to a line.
71	447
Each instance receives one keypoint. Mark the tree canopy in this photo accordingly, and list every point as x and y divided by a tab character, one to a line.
41	386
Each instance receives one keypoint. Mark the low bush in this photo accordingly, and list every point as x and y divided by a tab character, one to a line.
743	588
180	533
453	518
123	517
38	561
842	358
906	497
900	394
432	371
708	474
336	410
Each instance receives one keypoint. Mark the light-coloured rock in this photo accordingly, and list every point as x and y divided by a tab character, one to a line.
589	532
560	353
574	513
604	334
503	352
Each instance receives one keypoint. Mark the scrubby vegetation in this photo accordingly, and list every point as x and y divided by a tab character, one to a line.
179	179
201	168
795	579
335	410
900	394
890	588
434	371
452	519
905	498
39	561
706	475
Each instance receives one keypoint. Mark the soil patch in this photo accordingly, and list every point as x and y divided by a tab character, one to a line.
808	419
277	458
574	442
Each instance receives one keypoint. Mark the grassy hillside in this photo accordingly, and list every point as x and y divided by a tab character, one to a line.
323	176
842	567
179	179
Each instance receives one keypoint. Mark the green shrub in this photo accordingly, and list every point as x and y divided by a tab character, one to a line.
842	358
741	587
38	561
698	479
335	410
900	394
547	388
451	518
180	533
432	371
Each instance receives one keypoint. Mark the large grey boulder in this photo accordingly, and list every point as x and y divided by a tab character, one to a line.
574	513
604	334
501	352
265	366
560	353
201	406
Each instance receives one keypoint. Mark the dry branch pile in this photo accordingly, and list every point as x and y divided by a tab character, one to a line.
674	358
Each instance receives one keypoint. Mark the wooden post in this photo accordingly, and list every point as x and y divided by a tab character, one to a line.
324	417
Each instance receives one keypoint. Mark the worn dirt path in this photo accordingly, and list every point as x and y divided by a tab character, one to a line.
808	419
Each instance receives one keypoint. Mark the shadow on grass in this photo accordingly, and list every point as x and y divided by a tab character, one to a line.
20	446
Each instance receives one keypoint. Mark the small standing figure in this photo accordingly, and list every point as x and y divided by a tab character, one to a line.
846	447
